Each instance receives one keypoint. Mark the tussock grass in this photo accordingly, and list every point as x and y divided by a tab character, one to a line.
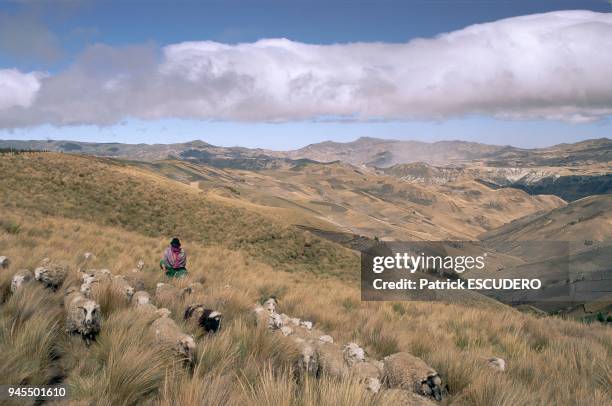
114	193
549	360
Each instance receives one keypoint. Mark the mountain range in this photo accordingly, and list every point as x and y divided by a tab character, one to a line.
570	171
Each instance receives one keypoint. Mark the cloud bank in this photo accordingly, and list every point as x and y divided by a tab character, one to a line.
546	66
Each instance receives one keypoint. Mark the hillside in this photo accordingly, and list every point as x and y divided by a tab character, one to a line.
246	365
585	219
111	192
341	197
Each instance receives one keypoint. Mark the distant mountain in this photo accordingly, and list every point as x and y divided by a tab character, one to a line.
372	152
383	153
194	151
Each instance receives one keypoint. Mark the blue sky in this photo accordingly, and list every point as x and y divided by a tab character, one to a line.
51	36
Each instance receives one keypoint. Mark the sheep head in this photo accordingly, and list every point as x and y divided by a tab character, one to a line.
90	311
432	386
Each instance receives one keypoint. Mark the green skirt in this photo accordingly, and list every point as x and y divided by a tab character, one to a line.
173	272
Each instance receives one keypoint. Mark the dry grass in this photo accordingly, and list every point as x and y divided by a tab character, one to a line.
550	360
50	209
110	192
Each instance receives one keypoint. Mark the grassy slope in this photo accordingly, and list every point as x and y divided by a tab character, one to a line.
550	361
340	197
110	192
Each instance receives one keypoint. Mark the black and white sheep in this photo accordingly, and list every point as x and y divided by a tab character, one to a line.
405	371
52	275
4	262
209	320
82	315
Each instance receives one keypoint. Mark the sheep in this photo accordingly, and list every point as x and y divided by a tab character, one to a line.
270	304
168	333
4	262
121	285
209	320
306	324
193	312
498	364
326	339
96	275
140	265
21	277
405	371
286	331
353	354
82	316
163	312
134	281
52	275
368	373
308	362
192	288
141	297
331	360
147	308
271	320
166	293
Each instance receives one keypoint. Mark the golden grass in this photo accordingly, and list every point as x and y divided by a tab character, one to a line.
549	360
110	192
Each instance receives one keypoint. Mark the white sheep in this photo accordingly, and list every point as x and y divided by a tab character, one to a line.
163	312
166	293
306	324
331	360
82	315
405	371
135	281
20	278
122	286
271	320
353	354
96	275
168	333
326	339
141	297
286	331
140	265
498	364
369	373
270	304
52	275
147	308
4	262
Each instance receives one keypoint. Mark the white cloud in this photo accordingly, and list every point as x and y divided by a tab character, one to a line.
17	89
552	66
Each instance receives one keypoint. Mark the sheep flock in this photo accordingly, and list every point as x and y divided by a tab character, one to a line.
402	377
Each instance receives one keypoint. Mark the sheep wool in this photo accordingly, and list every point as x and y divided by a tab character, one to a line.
20	278
405	371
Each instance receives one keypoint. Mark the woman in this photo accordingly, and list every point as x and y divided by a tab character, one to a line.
174	260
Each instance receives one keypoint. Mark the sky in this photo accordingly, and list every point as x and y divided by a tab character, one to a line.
284	74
